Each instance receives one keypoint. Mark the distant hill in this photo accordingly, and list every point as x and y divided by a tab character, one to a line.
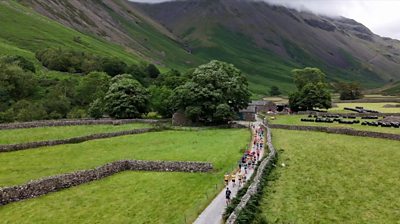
265	41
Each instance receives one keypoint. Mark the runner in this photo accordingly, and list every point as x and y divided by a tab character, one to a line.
226	178
228	196
233	178
240	179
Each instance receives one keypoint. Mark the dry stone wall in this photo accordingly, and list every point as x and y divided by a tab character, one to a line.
344	131
56	183
65	122
32	145
347	114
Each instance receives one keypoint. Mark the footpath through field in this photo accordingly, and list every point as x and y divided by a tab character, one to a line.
213	214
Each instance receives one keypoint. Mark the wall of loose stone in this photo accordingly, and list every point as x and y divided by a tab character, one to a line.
347	114
56	183
32	145
343	131
253	188
65	122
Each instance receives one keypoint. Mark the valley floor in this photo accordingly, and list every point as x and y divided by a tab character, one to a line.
128	197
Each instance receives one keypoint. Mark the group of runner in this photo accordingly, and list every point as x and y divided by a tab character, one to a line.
247	162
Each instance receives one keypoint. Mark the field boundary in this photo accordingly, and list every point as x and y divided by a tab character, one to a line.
73	122
256	185
347	114
384	100
343	131
74	140
47	185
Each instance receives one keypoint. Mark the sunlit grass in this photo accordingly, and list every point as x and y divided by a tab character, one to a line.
332	178
370	106
295	120
129	197
219	146
53	133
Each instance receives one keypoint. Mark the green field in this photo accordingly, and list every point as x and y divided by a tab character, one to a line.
295	120
129	197
14	136
371	106
221	147
331	178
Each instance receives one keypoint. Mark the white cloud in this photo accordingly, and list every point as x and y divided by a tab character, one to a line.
381	16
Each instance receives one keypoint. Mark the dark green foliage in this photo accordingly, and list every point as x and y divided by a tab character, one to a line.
312	90
96	109
77	113
22	62
171	79
160	100
15	84
349	91
275	91
152	71
67	60
162	91
113	66
92	87
126	98
139	73
307	75
214	94
24	110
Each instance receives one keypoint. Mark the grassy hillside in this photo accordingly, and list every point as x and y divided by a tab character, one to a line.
23	32
393	90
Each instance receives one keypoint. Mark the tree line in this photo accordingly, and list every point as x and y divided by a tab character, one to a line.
100	86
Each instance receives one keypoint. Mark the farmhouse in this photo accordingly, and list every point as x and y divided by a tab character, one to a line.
261	106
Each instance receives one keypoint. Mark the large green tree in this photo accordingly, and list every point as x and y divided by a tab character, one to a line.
214	94
15	84
275	91
93	86
312	90
126	98
349	91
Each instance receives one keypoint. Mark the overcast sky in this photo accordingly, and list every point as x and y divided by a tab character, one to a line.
381	16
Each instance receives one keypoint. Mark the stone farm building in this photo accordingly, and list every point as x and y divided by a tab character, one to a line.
261	106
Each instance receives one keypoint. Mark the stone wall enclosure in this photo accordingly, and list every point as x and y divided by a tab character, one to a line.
56	183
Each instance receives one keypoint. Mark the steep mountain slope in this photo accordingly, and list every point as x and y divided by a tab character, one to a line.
268	41
24	31
118	22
